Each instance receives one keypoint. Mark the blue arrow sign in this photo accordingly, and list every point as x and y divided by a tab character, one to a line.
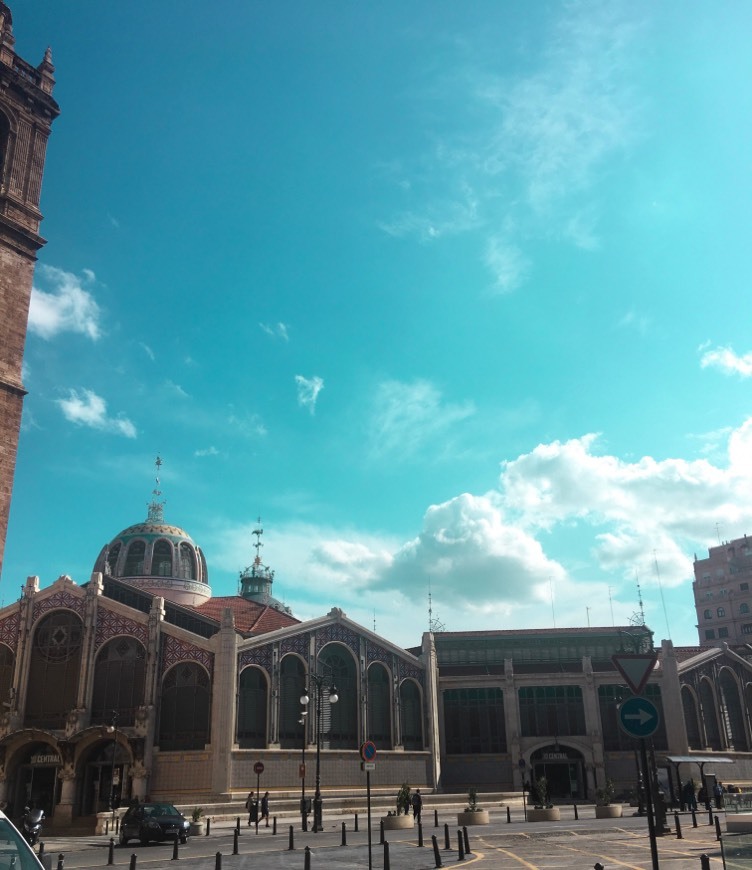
638	717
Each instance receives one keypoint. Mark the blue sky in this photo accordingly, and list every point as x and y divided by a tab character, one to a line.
451	295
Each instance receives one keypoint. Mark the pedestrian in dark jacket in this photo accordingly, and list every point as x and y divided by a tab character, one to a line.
265	808
417	805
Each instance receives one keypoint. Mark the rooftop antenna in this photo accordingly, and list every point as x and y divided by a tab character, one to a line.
433	624
611	604
258	532
663	600
587	611
551	595
718	533
638	618
374	620
156	507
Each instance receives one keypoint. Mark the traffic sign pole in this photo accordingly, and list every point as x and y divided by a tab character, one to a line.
649	801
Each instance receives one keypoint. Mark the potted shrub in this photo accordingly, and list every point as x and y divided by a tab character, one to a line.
604	806
401	818
542	810
473	814
198	825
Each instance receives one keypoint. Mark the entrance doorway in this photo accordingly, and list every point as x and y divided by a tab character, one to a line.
36	781
564	770
105	783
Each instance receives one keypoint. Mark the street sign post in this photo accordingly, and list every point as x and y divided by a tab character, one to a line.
368	754
258	769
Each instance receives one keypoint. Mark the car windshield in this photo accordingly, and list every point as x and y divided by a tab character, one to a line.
14	851
160	810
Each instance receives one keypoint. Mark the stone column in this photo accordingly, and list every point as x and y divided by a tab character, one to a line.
224	705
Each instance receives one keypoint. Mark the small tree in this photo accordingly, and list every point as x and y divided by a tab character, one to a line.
403	798
196	814
604	796
539	792
472	800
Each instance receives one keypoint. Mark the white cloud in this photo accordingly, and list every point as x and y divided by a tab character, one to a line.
147	350
507	263
408	416
207	451
276	330
308	391
249	425
68	308
86	408
724	359
176	389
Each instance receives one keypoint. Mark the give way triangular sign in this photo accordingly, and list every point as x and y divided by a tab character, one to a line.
635	668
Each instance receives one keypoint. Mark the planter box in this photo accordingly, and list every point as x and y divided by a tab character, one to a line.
397	823
197	829
612	811
478	817
543	814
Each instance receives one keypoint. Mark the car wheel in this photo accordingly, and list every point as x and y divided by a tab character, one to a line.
123	839
184	838
144	838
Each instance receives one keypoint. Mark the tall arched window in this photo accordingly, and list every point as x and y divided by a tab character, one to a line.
412	715
111	559
187	562
291	688
379	706
732	714
185	707
55	669
340	720
721	611
252	709
690	719
119	678
7	662
4	143
134	562
708	710
744	607
161	560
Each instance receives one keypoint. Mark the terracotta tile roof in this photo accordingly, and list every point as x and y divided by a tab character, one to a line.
250	617
683	653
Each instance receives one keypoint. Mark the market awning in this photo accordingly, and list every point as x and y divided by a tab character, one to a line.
699	759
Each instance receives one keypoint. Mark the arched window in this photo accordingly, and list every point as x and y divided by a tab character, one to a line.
4	142
134	562
708	614
112	559
721	611
187	562
185	707
55	669
379	706
744	608
708	710
340	720
7	662
732	714
252	709
291	688
161	560
690	719
412	715
119	679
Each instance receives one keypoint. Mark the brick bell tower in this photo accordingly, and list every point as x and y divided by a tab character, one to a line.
27	111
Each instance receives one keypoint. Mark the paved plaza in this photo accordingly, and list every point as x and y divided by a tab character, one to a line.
571	843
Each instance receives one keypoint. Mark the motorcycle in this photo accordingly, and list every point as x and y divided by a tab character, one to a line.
31	825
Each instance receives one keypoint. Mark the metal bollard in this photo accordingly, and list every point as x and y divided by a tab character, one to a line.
447	844
694	819
355	826
132	864
381	832
274	825
237	823
710	815
344	834
386	855
466	840
717	828
598	866
218	861
677	823
106	826
509	815
291	845
436	819
235	842
420	833
436	853
307	859
61	861
117	824
41	848
208	826
175	855
460	847
110	851
704	862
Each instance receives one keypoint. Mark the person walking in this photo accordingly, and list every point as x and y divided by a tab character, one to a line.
251	805
265	808
417	805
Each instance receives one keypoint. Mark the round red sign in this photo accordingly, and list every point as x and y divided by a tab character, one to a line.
258	767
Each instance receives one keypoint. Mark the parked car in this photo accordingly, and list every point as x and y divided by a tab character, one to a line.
14	850
155	821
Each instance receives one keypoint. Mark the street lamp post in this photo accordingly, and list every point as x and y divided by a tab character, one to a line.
113	730
303	809
317	681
